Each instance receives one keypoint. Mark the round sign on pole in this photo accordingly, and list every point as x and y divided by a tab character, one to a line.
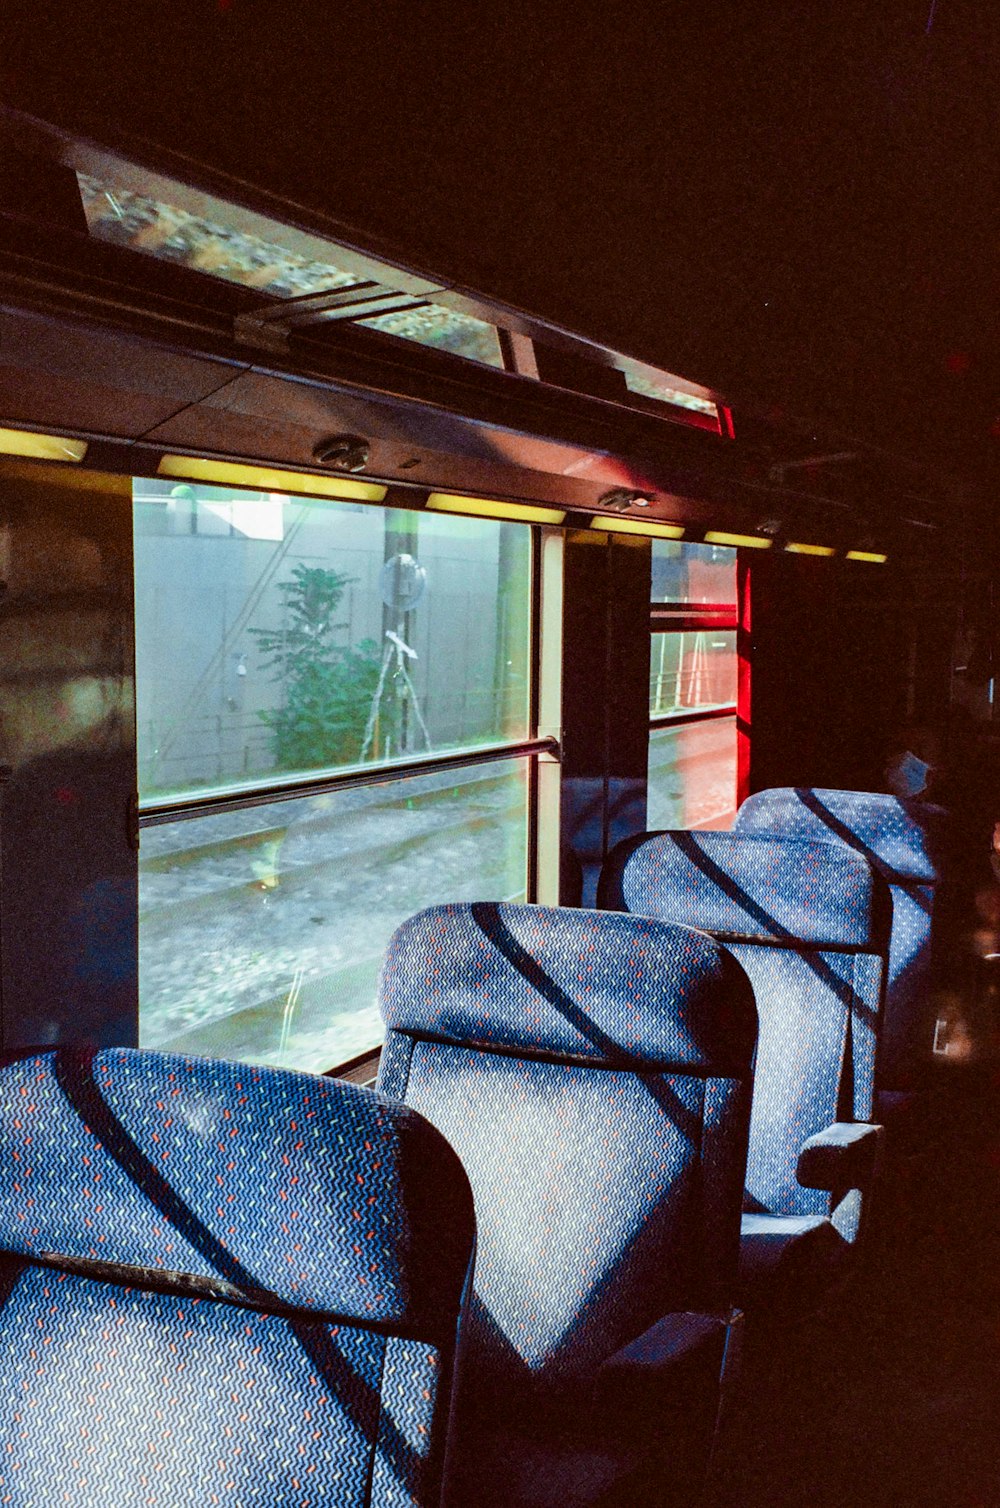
402	581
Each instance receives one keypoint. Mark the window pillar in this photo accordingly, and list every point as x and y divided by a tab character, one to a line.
605	702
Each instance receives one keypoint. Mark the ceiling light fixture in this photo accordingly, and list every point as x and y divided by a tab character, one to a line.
487	507
744	541
24	442
269	479
648	526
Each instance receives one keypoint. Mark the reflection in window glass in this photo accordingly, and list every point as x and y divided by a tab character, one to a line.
277	634
658	385
693	573
695	669
261	932
692	775
161	230
445	330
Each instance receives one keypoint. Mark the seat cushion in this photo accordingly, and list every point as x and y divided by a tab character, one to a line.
789	1260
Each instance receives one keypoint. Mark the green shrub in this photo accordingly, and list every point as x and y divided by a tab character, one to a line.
328	688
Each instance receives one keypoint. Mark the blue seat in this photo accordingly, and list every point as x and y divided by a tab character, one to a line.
807	921
905	842
221	1284
593	1074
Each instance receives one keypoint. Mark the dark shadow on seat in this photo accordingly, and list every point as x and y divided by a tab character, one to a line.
910	844
917	891
772	927
326	1337
804	921
488	918
534	1039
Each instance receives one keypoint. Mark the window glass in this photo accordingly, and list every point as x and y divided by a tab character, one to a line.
278	634
206	243
444	330
261	932
692	669
692	775
693	573
659	385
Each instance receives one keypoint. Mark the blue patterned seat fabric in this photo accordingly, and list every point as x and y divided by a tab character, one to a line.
905	842
592	1073
805	920
221	1284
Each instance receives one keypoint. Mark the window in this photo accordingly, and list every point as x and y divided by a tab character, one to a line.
261	931
160	218
277	635
692	687
213	242
334	730
693	574
444	330
692	775
692	669
659	386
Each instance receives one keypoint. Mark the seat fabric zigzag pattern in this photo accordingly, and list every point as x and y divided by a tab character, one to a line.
907	843
221	1284
804	921
591	1072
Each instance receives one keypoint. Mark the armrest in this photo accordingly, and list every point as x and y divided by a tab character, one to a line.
841	1156
660	1367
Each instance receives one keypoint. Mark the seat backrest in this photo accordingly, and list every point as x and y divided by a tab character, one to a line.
906	842
592	1072
804	920
222	1283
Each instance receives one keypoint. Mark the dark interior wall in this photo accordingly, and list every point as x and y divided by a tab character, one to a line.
832	672
68	862
796	212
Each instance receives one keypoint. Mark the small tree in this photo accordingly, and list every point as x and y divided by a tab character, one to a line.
328	688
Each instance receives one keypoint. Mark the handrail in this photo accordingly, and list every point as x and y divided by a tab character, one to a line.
243	797
696	715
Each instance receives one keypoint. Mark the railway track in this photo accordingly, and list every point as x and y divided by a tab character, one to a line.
279	963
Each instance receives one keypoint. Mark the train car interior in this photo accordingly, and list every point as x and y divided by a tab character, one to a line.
499	756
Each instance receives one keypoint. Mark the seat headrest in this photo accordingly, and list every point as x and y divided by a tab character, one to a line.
539	981
819	894
291	1191
903	840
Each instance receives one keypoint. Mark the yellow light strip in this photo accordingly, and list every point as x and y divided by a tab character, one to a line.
269	479
810	549
649	527
22	442
869	555
486	507
749	541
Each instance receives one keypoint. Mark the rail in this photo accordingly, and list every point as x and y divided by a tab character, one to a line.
243	797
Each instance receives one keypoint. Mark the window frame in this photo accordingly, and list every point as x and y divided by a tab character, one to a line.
540	750
703	617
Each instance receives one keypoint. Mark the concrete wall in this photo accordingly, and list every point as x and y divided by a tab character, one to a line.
201	683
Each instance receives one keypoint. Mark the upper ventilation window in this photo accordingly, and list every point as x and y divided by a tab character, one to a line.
314	279
162	230
443	330
658	385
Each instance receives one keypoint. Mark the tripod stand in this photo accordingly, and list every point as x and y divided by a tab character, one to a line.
396	649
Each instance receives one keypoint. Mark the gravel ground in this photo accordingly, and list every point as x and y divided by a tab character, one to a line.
262	931
269	949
